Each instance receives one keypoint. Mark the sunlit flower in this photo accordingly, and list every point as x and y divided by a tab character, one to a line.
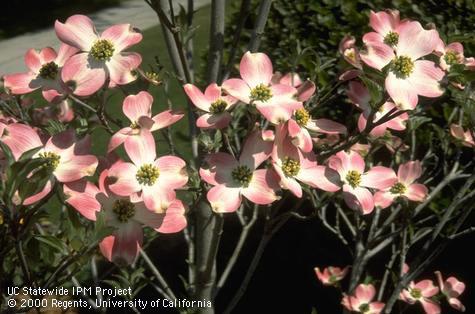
360	302
274	101
214	103
452	288
355	181
101	58
138	108
331	275
404	187
422	292
44	73
465	137
232	179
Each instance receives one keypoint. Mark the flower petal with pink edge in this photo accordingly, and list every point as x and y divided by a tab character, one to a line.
306	90
238	89
261	189
123	246
122	175
157	197
174	220
220	166
35	59
321	177
80	77
376	307
377	54
426	78
20	138
78	31
430	307
414	41
82	196
136	106
379	177
365	293
76	168
456	304
326	126
358	199
121	66
288	183
383	199
20	83
118	138
212	92
172	171
224	199
384	21
409	172
427	288
403	94
416	192
64	53
122	36
343	162
255	150
165	119
255	69
197	97
141	149
214	121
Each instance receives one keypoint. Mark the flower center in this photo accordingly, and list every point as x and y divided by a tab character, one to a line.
364	308
147	174
123	210
391	39
134	125
153	76
302	116
50	159
49	70
403	66
451	58
290	167
261	93
350	54
416	293
353	178
218	106
242	175
398	188
102	50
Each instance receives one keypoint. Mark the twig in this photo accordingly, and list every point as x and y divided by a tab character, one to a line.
259	26
82	103
237	249
216	40
166	287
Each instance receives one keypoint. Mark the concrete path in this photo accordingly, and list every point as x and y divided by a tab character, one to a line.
135	12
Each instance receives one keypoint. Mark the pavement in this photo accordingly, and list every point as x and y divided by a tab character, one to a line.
135	12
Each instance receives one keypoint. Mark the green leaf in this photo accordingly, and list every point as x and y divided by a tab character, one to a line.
7	152
29	154
52	242
375	90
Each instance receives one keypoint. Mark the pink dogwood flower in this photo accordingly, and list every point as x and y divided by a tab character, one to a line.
126	215
408	76
232	179
360	97
156	178
465	137
214	103
331	275
422	292
360	302
404	187
293	165
305	89
44	73
452	288
349	51
101	57
450	55
138	108
274	101
355	181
